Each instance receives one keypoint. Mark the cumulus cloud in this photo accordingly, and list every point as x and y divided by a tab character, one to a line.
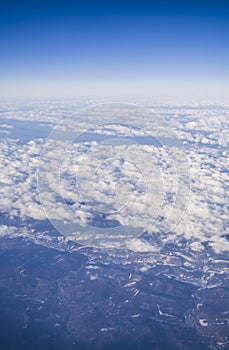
136	184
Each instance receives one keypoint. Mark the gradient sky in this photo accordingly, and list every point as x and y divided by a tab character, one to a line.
65	48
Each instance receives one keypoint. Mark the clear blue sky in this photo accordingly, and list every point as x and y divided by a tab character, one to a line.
61	46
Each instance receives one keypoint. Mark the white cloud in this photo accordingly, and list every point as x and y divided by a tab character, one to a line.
137	245
129	179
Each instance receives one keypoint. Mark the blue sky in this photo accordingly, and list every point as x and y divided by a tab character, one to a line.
70	47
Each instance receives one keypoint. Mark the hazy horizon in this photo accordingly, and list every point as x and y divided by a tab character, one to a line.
167	50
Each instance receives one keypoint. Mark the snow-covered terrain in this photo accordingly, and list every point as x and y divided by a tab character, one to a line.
144	190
